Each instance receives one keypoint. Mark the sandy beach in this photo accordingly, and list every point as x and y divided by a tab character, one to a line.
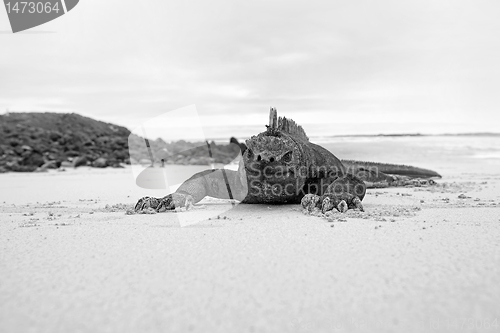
421	259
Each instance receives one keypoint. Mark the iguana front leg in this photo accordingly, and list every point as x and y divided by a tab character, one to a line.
217	183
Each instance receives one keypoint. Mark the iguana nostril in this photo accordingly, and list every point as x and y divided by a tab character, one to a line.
271	159
259	158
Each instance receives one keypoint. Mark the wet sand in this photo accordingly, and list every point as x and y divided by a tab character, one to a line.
418	260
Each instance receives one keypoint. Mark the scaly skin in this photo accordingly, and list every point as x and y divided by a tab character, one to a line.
281	166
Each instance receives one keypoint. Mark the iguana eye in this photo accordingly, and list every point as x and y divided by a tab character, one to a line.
287	157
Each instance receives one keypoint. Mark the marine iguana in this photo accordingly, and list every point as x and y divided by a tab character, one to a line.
281	165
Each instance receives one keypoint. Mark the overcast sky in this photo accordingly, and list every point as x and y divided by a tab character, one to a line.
336	67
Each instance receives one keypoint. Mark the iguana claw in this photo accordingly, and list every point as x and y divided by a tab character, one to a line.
357	203
145	203
326	205
327	202
169	202
342	206
310	201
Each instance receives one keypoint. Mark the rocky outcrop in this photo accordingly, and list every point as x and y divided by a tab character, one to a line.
41	141
31	140
181	152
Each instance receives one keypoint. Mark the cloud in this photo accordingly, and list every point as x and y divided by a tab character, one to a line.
431	63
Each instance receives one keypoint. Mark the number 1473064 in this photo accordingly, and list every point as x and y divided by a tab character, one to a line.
32	7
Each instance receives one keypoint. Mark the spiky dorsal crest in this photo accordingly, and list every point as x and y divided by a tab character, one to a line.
289	126
284	125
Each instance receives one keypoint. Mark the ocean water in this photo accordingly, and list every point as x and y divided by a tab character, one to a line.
444	154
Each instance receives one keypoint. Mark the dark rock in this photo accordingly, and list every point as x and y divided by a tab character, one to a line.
112	161
19	151
121	154
14	142
80	161
54	136
15	166
100	163
33	159
66	164
51	165
71	153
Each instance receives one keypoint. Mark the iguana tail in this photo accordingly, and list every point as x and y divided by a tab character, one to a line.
388	175
390	169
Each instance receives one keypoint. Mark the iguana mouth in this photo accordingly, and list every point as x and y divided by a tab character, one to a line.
280	174
276	172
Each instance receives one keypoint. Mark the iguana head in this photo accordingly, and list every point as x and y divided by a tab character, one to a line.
274	149
279	145
274	157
